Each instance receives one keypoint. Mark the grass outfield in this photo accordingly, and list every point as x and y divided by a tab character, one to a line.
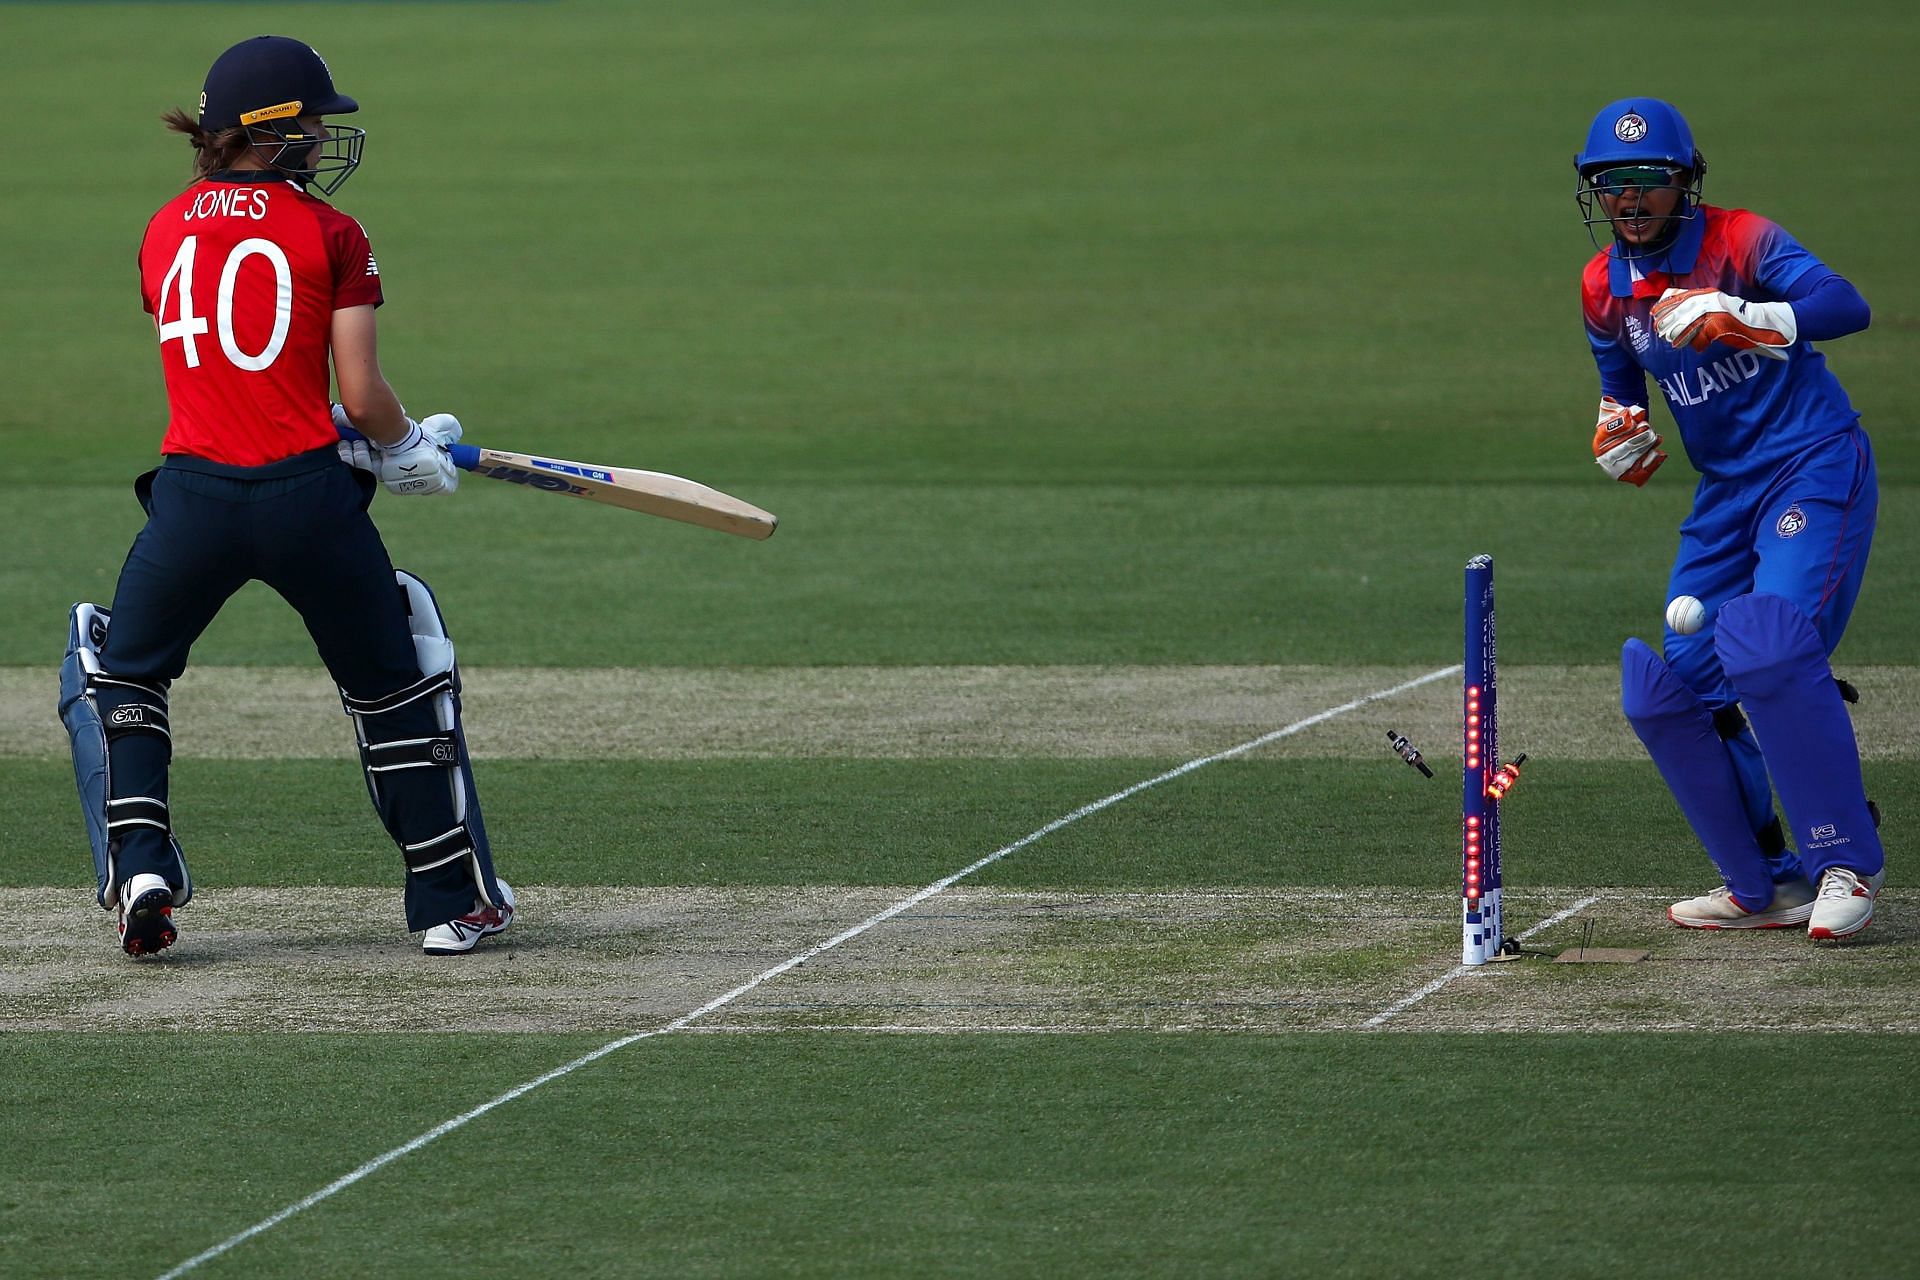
824	1155
1097	335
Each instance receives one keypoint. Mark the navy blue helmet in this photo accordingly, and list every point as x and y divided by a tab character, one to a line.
266	85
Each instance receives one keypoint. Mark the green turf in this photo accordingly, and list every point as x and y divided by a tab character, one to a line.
879	1156
1094	331
1291	822
907	241
1008	574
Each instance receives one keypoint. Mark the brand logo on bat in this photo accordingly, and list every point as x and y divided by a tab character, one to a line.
568	468
514	475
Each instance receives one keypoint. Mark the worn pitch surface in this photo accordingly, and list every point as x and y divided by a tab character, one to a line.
614	959
1067	712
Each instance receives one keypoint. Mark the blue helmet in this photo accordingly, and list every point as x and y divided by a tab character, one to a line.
1638	143
1639	131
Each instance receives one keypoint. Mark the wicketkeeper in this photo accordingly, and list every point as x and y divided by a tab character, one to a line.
253	282
1722	307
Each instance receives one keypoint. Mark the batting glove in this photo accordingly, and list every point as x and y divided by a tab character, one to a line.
358	451
1624	445
418	465
1698	317
443	427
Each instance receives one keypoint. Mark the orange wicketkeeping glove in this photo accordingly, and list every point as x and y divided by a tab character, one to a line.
1624	445
1699	317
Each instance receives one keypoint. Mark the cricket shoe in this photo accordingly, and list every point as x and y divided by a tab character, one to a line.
1845	904
146	915
1792	904
459	935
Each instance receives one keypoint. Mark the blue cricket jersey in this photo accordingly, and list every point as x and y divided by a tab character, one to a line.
1739	413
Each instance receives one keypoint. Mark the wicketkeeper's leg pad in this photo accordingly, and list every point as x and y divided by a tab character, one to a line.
1681	735
109	716
414	754
1775	658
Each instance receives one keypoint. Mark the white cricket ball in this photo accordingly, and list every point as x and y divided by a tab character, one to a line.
1686	615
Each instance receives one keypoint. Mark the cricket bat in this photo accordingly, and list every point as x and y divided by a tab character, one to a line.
654	492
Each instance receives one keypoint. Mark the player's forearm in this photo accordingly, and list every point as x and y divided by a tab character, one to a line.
1829	307
1620	378
1623	382
364	391
376	414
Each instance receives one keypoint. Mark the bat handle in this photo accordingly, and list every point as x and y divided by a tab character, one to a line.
465	456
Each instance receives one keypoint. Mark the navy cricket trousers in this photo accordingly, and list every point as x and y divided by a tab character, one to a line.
299	525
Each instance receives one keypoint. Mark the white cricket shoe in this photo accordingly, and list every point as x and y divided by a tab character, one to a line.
1792	904
459	935
1845	904
146	915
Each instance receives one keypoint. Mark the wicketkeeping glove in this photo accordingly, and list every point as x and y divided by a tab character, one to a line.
1697	317
1624	445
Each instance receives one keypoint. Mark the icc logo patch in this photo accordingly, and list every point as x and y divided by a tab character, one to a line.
1630	128
1792	521
1637	334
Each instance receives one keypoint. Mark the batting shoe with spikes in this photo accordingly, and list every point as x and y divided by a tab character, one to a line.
1845	904
146	915
1792	904
462	933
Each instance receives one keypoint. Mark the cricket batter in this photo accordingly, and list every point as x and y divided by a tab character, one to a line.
253	282
1722	307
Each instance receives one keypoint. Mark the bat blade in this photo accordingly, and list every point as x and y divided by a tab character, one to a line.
654	492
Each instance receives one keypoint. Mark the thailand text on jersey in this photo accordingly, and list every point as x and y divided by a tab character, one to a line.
242	273
1739	413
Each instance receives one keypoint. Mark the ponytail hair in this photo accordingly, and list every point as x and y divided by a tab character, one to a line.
212	150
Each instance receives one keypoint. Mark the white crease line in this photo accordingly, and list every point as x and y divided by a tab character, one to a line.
905	904
1407	1002
983	1028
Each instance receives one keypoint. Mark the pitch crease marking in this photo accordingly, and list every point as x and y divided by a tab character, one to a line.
1407	1002
380	1162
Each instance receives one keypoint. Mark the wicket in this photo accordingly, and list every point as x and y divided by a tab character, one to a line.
1481	932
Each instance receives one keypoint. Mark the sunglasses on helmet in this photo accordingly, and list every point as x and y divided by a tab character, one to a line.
1634	175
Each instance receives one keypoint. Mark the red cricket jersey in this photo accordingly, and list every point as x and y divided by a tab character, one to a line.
242	273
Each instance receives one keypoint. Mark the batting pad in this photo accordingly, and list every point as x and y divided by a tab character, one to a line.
1775	659
1687	748
133	707
414	754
